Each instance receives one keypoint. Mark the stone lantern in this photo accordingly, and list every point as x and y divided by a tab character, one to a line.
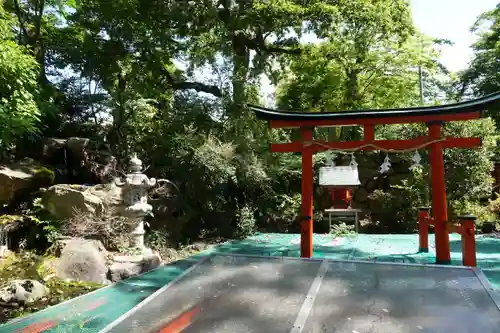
135	196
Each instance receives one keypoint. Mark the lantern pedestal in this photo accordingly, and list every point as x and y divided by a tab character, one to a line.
125	266
138	236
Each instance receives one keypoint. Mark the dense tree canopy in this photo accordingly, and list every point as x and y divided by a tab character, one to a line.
171	80
481	77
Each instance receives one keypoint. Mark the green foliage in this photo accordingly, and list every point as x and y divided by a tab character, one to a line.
40	230
329	78
467	175
19	113
11	219
462	207
356	70
481	77
469	171
396	210
49	228
157	240
44	177
343	229
494	206
130	251
245	222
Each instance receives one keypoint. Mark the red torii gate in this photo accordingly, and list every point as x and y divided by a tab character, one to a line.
434	116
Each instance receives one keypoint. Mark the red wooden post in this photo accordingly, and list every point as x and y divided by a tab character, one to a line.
439	206
306	226
423	229
369	133
468	240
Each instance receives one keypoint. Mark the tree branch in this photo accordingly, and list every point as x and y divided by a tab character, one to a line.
280	50
19	14
38	22
197	86
259	45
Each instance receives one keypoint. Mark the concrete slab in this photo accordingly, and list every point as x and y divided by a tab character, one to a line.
238	293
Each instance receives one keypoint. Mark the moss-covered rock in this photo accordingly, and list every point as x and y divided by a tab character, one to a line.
44	177
29	266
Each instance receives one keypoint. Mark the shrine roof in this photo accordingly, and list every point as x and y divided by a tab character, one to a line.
339	176
466	107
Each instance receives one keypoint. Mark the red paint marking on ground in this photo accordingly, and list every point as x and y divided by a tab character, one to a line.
334	242
39	327
96	304
181	322
43	326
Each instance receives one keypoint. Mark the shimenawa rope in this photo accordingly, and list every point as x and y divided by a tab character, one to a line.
312	143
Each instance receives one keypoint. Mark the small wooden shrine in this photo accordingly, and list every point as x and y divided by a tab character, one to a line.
340	181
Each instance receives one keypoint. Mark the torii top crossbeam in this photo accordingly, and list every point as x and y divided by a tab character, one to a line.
433	116
449	112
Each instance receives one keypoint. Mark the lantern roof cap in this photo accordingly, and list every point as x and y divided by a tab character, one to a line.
135	164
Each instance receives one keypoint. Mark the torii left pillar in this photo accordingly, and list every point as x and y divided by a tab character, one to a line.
439	205
306	208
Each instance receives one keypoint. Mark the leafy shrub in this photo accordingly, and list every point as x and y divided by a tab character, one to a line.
157	240
494	206
11	222
31	227
50	228
391	212
343	229
396	210
469	171
483	213
245	222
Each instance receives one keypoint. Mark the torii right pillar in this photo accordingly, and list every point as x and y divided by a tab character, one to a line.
439	205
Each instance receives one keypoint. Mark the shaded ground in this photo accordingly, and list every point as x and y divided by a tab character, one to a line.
92	312
260	294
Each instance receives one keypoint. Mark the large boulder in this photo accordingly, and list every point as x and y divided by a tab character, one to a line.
81	260
22	291
51	146
78	146
110	195
63	200
12	180
79	160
